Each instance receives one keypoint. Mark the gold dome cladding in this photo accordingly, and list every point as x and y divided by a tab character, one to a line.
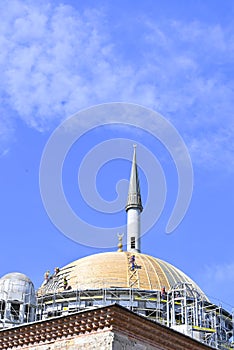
113	269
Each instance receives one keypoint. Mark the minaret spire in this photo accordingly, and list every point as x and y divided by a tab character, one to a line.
134	209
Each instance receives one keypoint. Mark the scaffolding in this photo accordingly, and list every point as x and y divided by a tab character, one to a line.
181	308
18	304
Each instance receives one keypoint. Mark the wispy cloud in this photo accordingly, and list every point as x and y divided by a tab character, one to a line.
56	60
219	278
7	129
194	64
220	273
50	59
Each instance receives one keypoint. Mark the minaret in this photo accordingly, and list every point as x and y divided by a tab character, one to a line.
134	209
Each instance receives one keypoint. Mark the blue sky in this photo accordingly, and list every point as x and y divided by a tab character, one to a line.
175	57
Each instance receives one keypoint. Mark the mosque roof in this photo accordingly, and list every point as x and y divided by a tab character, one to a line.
113	270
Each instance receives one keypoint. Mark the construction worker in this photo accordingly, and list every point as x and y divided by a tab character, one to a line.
65	283
47	276
56	271
163	293
132	262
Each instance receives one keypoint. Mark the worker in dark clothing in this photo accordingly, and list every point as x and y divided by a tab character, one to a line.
163	293
65	283
132	262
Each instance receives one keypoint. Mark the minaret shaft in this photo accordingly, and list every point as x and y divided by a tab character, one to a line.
133	230
134	209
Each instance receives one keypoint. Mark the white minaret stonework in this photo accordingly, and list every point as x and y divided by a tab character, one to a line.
134	209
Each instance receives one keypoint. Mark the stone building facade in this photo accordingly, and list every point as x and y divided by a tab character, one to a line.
106	328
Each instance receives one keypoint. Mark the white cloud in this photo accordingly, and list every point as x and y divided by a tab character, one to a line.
218	281
53	57
6	133
193	65
221	273
56	60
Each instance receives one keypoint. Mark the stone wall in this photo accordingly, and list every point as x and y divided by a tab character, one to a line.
123	342
103	340
97	341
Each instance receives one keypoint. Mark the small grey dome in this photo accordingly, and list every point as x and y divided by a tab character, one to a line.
15	276
17	299
17	286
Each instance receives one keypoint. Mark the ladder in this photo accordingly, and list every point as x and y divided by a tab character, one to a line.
52	284
133	278
133	274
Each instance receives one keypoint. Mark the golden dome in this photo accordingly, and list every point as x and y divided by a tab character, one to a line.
113	269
